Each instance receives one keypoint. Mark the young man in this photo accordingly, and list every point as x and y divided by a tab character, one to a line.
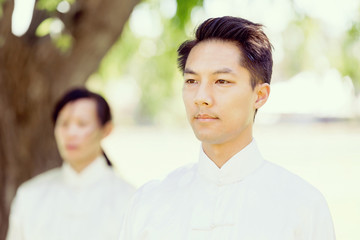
232	192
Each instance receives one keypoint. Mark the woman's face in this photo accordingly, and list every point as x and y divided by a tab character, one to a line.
78	133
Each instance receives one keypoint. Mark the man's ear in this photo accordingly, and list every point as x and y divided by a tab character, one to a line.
262	94
107	129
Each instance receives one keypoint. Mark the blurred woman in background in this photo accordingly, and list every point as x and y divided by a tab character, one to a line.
84	198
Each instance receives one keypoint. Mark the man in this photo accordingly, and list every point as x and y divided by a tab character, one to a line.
232	192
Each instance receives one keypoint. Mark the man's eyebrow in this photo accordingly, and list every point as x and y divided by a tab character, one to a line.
189	71
223	70
220	71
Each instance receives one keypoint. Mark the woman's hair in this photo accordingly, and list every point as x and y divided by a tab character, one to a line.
254	45
102	107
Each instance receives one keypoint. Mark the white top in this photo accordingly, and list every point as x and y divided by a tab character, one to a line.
61	204
247	199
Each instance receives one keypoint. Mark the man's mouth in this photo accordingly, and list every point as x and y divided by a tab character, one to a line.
205	117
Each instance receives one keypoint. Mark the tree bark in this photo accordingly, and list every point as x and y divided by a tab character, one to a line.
34	73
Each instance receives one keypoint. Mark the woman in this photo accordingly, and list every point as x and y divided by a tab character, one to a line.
83	199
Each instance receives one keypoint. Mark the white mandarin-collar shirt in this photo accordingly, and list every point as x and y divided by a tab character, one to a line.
62	204
247	198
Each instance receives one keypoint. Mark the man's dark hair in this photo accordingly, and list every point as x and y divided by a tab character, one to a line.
254	45
102	107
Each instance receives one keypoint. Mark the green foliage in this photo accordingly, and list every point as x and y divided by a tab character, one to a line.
300	39
44	28
50	5
350	58
354	32
306	43
63	42
183	12
120	55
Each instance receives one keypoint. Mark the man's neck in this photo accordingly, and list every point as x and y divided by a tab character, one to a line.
221	153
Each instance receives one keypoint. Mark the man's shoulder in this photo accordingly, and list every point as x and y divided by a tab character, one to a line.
174	182
181	176
120	185
285	182
282	174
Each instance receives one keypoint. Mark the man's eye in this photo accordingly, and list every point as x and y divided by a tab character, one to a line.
190	81
221	81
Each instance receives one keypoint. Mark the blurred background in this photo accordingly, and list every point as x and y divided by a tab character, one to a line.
127	52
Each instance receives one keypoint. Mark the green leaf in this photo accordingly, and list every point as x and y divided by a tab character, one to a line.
64	42
50	5
44	28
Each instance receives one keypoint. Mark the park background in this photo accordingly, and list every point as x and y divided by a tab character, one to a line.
310	125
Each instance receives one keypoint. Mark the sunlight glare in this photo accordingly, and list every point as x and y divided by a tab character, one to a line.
21	17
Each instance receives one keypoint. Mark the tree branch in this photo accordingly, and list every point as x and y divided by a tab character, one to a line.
97	26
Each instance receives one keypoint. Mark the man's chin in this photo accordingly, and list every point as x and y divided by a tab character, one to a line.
206	138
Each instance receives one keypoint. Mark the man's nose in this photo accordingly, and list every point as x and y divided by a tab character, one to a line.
203	95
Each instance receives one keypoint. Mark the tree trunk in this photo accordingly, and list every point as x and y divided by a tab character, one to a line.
33	74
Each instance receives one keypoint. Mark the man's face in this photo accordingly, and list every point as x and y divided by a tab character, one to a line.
218	97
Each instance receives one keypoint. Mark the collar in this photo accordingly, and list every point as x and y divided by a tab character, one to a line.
93	172
241	165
